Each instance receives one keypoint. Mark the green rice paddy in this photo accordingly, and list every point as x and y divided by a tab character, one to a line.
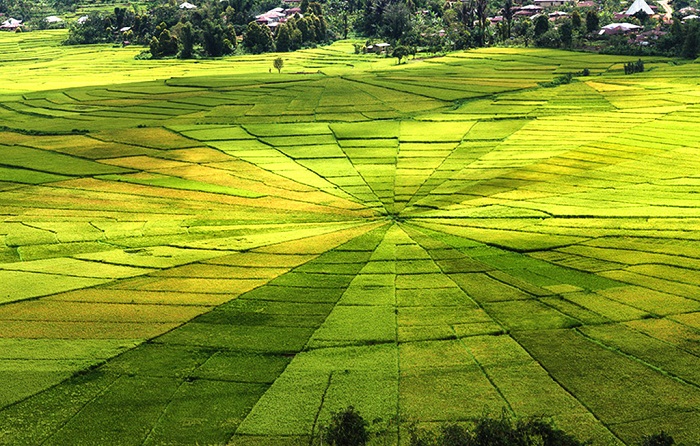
205	252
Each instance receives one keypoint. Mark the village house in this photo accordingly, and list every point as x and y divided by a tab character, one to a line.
618	28
553	3
496	20
538	6
378	48
276	16
527	11
11	25
646	37
558	15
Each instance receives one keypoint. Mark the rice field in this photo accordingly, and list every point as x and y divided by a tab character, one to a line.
205	252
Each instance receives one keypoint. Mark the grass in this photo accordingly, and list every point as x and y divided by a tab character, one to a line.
427	242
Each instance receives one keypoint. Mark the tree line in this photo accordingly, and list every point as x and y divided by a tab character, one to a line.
216	27
210	30
347	427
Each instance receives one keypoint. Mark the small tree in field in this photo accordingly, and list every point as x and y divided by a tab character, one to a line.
401	52
661	439
278	64
347	428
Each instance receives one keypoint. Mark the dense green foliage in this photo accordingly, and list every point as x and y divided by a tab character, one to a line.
278	63
503	431
634	67
660	439
209	30
162	43
258	38
346	428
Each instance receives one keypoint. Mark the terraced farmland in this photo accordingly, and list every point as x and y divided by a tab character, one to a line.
209	253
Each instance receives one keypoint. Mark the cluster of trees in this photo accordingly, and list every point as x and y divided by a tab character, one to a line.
348	428
683	40
33	12
306	30
634	67
678	40
427	24
211	30
438	26
210	39
214	27
435	26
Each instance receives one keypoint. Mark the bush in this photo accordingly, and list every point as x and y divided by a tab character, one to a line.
347	428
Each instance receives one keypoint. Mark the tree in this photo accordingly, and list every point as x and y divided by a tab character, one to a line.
576	20
242	11
566	31
642	16
286	40
278	63
186	42
523	28
258	38
508	16
550	39
691	45
396	21
163	44
307	28
400	52
94	30
321	26
370	19
315	9
215	39
541	25
347	428
660	439
496	431
338	11
482	15
592	21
